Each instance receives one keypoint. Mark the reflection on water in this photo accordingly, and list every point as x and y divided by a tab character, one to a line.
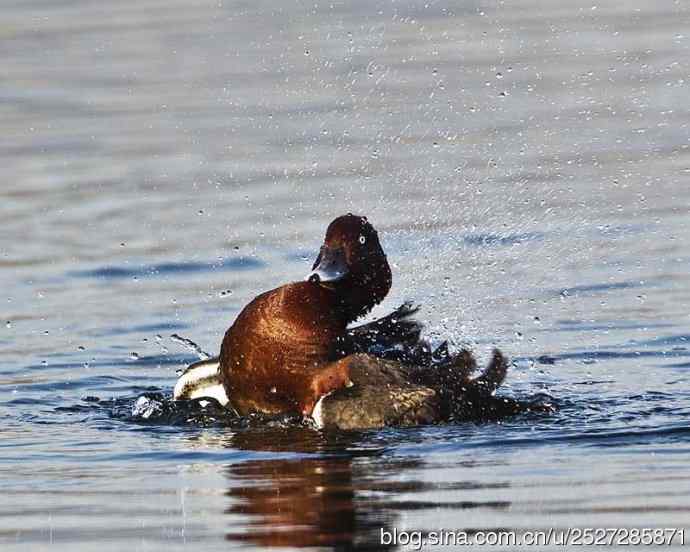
322	497
303	503
335	494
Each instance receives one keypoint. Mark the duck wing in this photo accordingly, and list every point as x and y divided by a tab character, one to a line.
396	332
381	395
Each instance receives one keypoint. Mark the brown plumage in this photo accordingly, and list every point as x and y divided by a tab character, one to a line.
290	350
278	355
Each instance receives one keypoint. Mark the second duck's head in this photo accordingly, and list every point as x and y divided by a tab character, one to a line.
352	263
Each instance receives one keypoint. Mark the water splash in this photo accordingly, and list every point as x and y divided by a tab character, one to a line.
191	346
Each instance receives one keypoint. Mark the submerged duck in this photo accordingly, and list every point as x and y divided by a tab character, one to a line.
291	351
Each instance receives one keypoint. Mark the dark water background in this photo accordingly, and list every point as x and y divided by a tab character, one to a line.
527	165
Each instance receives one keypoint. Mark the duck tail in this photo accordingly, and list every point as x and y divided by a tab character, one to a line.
494	375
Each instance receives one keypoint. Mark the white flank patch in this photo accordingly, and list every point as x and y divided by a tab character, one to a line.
191	384
317	413
200	370
214	391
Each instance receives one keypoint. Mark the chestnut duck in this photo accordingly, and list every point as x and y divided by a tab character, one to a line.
292	350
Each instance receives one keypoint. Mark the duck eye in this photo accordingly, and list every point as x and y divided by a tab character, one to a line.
362	240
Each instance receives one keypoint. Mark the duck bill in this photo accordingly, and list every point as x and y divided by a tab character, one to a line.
330	266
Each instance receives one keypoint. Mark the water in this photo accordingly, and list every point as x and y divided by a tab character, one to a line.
527	167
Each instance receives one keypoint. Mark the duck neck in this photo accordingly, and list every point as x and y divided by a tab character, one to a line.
355	301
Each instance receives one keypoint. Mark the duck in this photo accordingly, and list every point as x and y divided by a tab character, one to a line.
294	350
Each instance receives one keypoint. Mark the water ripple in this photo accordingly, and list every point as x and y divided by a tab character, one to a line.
169	269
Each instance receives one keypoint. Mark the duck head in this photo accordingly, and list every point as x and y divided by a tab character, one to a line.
353	265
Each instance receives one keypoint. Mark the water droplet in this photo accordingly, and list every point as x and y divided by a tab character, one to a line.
200	212
499	75
274	390
306	52
81	348
362	240
519	336
8	324
134	356
159	337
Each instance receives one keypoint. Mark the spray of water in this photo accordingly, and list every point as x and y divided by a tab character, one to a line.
191	346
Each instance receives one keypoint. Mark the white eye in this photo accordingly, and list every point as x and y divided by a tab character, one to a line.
362	239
